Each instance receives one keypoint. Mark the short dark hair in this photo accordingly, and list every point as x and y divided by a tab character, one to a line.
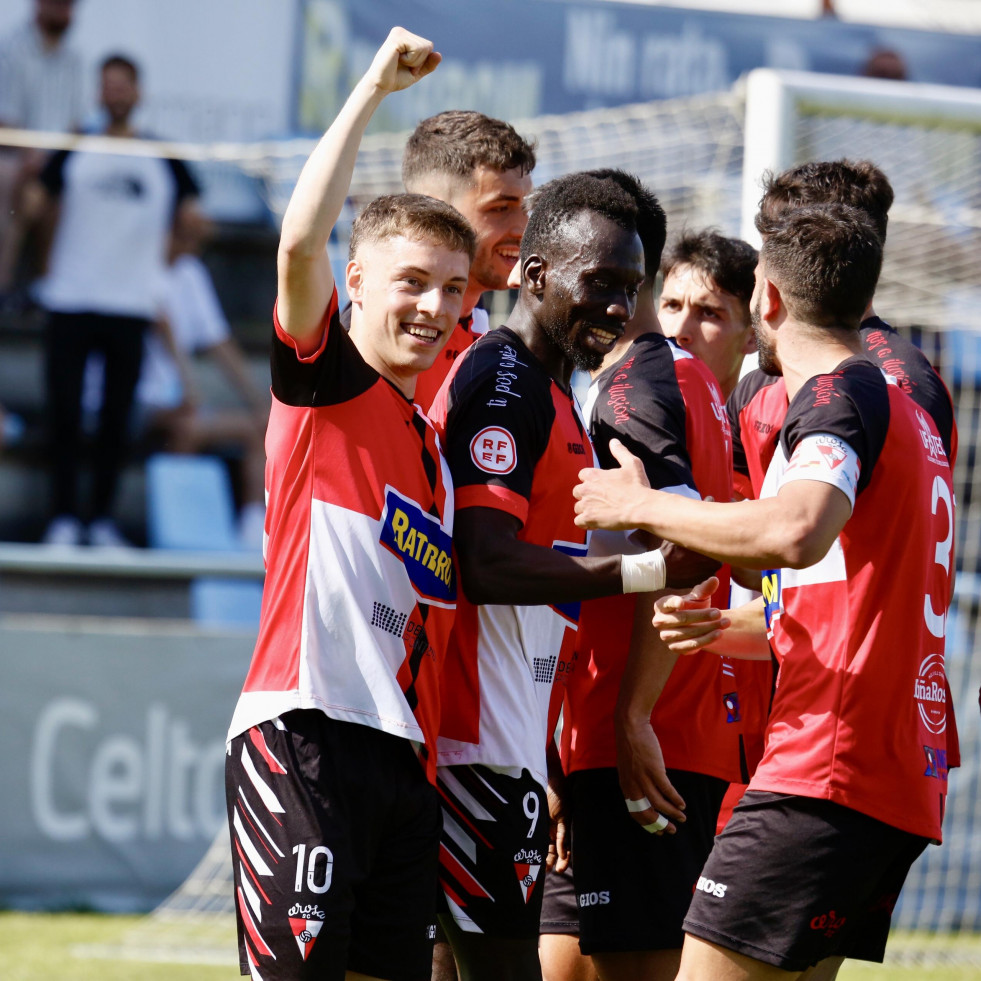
825	260
729	262
121	61
652	224
415	216
857	183
559	201
459	141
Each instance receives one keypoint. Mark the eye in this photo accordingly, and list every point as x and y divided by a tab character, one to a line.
669	304
411	281
453	289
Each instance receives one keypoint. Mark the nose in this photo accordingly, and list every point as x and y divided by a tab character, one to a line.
621	306
431	303
682	328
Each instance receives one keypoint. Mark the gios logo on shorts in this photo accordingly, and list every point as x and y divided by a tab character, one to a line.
422	545
710	886
600	898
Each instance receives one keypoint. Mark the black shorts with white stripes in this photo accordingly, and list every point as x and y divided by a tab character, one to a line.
335	835
493	850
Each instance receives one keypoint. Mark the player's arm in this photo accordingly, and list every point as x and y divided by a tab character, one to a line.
305	279
793	530
640	764
497	567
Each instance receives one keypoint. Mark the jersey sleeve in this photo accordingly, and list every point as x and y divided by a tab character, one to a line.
496	434
52	175
837	422
652	424
328	375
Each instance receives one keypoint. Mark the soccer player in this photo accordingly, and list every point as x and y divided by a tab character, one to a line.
853	528
483	168
634	887
704	304
515	442
758	404
331	757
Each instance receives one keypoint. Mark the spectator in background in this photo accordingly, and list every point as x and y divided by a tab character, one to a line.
169	408
112	220
885	63
40	88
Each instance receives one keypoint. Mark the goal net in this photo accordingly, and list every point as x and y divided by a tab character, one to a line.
703	157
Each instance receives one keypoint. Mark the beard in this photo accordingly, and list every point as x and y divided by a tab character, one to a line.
557	332
764	346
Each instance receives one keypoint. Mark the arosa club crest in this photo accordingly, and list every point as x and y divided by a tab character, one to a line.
306	922
527	865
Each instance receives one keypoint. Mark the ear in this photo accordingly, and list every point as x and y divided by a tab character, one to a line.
771	302
749	344
354	280
534	272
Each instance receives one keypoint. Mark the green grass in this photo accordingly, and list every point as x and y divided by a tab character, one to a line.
42	947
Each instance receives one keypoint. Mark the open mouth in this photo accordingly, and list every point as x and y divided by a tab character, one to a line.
603	336
509	253
422	332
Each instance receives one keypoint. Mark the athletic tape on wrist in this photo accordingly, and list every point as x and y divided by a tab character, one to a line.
643	573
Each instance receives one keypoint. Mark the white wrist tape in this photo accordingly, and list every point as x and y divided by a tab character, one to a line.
644	573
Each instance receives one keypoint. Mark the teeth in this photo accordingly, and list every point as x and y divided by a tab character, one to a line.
426	333
603	335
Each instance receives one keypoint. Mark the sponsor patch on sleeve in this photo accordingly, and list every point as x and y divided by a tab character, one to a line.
494	450
828	459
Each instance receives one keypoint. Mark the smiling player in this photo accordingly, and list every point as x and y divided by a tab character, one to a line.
483	168
331	755
515	441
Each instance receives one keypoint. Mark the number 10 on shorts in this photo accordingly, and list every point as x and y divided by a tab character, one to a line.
319	867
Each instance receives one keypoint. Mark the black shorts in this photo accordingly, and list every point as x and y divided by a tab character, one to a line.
634	887
560	909
493	850
793	880
335	837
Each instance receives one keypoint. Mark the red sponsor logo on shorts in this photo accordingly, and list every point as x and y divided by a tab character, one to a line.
828	923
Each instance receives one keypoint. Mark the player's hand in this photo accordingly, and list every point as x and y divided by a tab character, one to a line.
644	780
401	61
560	841
604	498
688	623
686	568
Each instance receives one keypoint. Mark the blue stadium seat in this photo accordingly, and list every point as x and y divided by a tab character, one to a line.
189	504
190	507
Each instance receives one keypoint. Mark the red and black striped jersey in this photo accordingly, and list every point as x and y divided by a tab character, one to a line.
360	586
515	441
665	406
860	710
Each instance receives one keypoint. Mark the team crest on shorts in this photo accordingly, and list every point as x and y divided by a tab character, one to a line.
305	922
527	865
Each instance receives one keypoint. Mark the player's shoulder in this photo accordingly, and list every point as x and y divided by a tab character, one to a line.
500	367
648	359
856	381
751	387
